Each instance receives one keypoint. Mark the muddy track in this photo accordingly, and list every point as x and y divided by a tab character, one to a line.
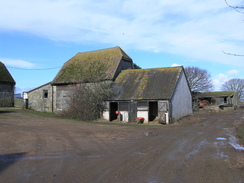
197	149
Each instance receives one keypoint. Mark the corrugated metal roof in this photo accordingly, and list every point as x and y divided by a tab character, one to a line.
140	84
5	76
92	65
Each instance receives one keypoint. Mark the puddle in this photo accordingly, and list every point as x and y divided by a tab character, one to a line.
222	155
217	145
234	144
221	138
138	153
153	180
196	149
233	140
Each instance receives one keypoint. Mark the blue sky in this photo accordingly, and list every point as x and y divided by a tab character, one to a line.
41	34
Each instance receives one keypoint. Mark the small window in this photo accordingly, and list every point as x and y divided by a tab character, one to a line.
45	93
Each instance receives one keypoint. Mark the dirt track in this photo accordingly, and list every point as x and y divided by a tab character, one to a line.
197	149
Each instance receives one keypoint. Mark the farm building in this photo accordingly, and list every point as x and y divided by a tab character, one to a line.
7	86
40	99
218	101
160	94
85	67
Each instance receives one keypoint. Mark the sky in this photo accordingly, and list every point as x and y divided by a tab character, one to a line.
38	37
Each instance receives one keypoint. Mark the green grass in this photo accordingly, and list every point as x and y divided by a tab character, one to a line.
43	114
20	110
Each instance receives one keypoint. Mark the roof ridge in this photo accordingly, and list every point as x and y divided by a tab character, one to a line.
99	50
159	68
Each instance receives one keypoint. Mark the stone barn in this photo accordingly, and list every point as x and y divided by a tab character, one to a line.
160	94
87	67
40	99
7	87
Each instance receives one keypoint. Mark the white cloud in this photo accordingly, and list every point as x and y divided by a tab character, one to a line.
17	63
198	30
222	78
175	65
233	72
219	80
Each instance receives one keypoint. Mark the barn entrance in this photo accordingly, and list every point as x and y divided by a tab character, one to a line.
113	108
153	110
163	112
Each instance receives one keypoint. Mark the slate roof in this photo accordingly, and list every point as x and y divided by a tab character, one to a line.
216	94
5	76
86	66
140	84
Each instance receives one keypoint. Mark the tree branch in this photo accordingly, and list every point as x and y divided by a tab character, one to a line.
236	8
232	54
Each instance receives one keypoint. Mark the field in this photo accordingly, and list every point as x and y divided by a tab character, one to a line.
43	148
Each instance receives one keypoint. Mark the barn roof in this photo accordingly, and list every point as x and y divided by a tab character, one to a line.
5	76
216	94
140	84
87	66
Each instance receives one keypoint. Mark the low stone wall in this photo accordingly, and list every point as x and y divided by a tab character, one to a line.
216	109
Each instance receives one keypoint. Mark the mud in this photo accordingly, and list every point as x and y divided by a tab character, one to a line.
199	148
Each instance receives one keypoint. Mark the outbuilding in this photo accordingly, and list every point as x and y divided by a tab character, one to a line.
160	94
217	101
7	86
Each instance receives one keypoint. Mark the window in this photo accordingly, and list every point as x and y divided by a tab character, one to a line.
45	93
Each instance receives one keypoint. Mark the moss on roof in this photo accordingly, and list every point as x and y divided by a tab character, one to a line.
5	76
87	66
147	84
216	94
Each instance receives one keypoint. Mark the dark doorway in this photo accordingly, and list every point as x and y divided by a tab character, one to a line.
113	108
153	110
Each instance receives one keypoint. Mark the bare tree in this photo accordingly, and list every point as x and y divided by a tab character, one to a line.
199	79
236	85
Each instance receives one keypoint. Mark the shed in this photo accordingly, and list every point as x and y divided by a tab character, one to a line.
160	94
7	86
220	99
40	98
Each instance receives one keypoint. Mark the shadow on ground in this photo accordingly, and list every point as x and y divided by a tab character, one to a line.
8	159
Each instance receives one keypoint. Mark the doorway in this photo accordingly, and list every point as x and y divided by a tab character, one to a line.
113	108
153	110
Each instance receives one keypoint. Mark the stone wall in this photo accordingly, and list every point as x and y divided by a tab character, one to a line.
40	99
6	95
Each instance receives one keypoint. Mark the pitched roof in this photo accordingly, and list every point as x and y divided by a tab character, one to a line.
216	94
5	76
139	84
38	87
86	66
